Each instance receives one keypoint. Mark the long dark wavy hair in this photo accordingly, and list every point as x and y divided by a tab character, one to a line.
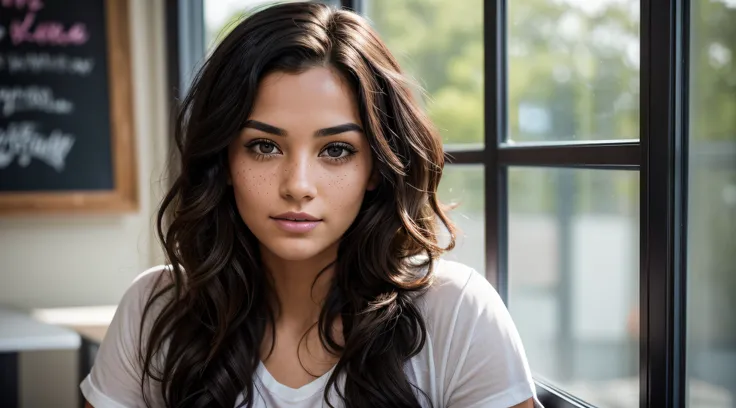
203	343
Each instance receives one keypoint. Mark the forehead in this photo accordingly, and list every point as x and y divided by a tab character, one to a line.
318	93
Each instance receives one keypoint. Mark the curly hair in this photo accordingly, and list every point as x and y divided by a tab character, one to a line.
215	309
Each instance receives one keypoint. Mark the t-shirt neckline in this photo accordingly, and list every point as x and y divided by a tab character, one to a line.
287	393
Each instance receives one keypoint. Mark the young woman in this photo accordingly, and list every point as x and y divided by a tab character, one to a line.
301	232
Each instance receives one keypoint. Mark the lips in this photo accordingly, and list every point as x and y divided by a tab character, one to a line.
293	216
296	223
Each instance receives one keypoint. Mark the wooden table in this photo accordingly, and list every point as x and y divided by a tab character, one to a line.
90	323
20	332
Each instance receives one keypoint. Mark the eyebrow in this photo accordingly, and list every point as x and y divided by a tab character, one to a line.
330	131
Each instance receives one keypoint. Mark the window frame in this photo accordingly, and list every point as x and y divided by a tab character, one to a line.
660	156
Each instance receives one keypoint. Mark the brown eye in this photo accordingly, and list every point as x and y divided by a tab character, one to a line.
263	148
334	151
337	151
266	148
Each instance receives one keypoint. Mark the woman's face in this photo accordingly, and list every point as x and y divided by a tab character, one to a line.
301	165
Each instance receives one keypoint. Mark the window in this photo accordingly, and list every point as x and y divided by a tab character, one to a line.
711	259
462	186
561	157
440	45
592	148
573	278
572	242
573	70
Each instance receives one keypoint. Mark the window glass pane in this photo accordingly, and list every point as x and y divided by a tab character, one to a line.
462	185
573	70
221	15
711	256
574	279
440	44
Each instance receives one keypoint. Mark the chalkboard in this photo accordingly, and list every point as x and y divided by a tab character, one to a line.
65	106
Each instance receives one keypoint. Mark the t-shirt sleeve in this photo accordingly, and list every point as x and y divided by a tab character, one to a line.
115	378
485	363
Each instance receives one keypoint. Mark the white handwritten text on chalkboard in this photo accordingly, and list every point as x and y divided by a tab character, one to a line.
42	63
32	98
24	142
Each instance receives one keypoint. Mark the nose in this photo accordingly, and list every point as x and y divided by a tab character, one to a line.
298	182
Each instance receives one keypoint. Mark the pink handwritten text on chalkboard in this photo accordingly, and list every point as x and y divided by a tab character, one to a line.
31	5
47	32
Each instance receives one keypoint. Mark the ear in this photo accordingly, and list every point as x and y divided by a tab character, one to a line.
374	180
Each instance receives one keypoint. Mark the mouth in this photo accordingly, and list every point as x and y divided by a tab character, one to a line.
298	217
296	223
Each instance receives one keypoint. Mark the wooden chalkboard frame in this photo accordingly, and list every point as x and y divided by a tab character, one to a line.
124	197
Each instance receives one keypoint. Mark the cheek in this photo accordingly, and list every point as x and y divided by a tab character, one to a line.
347	187
251	185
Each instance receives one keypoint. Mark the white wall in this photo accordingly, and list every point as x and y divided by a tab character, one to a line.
57	261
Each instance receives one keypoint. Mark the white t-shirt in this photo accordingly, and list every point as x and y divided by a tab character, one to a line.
473	356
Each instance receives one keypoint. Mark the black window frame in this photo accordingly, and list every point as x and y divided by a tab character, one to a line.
659	156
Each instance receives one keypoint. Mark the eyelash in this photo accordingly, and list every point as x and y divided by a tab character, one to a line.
251	146
345	146
265	156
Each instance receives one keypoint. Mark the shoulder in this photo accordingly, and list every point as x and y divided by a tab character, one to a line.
460	291
115	379
473	355
133	302
146	282
132	306
462	306
126	329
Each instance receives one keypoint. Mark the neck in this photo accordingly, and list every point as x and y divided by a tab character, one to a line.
300	286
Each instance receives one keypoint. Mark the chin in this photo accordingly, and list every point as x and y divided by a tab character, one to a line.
301	249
